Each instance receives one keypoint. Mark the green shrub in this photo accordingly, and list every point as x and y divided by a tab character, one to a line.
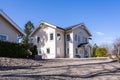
33	49
8	49
101	52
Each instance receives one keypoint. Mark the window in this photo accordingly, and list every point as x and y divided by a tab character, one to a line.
3	37
75	37
86	40
81	33
39	51
51	36
48	50
76	51
83	39
58	36
68	37
79	39
38	39
67	50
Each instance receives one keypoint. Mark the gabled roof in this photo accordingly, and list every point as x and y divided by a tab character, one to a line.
82	25
70	27
65	29
11	22
41	23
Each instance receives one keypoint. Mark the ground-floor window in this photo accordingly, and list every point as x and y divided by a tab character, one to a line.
39	51
48	50
76	51
67	50
3	37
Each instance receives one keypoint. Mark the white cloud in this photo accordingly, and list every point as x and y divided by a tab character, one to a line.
100	33
105	40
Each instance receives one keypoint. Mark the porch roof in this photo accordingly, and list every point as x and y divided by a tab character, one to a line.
82	44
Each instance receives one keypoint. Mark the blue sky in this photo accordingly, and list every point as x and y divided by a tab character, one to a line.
102	17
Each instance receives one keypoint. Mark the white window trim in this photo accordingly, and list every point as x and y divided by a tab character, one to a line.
36	39
68	52
49	50
50	36
60	36
76	50
6	36
39	39
39	51
67	37
79	39
76	37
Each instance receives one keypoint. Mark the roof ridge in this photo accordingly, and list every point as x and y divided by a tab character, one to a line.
11	21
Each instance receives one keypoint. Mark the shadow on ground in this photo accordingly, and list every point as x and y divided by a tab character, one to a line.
4	68
62	76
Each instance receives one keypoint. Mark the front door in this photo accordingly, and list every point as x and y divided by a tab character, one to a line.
58	52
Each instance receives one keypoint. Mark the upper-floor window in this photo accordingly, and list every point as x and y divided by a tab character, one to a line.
68	37
83	39
58	36
76	37
38	39
86	40
51	36
80	33
79	39
3	37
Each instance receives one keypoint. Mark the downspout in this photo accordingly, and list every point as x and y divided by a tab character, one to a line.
64	44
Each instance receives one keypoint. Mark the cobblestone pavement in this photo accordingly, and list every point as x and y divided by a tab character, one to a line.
65	69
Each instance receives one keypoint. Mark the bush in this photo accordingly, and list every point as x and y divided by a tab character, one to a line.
8	49
33	49
101	52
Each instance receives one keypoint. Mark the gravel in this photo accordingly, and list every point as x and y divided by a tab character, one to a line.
59	69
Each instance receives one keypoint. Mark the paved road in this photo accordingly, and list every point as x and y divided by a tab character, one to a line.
65	69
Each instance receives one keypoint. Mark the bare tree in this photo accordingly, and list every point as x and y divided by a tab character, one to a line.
117	48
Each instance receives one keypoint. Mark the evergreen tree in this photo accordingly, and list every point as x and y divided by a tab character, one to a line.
94	50
28	28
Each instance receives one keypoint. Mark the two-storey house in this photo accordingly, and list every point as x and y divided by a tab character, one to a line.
55	42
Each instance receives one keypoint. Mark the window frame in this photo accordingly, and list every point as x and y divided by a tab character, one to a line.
76	50
79	39
5	36
39	51
68	50
51	36
38	39
59	37
48	50
67	38
76	36
86	40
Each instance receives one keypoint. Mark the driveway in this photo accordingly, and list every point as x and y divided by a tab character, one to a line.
64	69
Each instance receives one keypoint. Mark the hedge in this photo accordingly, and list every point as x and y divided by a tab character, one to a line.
8	49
